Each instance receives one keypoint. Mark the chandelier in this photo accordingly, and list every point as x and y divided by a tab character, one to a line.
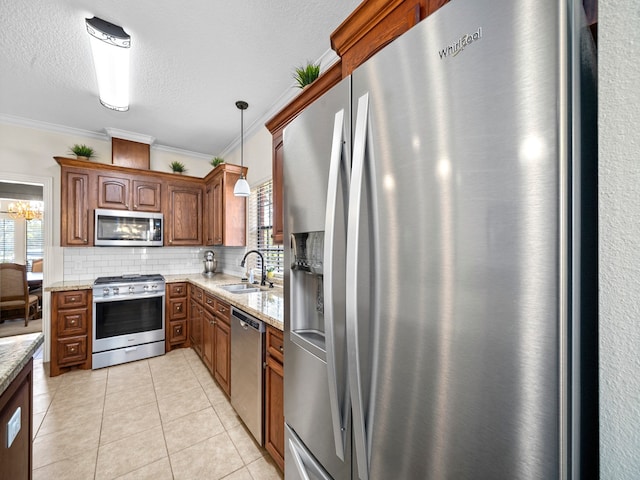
26	210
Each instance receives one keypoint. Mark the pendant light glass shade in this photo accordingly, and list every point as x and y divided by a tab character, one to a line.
241	188
110	47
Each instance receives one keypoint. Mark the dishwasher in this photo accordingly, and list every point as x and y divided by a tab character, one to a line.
247	374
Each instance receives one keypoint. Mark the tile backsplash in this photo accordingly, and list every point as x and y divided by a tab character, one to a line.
88	263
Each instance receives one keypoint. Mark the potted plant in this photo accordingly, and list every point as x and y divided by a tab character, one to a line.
271	272
217	161
82	152
306	74
177	167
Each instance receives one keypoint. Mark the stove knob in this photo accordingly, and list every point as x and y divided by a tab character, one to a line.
131	289
116	290
105	292
145	288
154	287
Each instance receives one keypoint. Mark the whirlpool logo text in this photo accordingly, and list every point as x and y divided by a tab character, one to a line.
457	47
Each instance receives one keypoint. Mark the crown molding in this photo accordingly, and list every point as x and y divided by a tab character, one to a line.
131	136
180	151
326	60
49	127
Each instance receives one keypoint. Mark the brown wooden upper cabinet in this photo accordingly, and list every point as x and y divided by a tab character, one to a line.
197	211
183	214
127	192
225	214
76	225
371	26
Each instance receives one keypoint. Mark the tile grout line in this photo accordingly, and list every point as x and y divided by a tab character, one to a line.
164	437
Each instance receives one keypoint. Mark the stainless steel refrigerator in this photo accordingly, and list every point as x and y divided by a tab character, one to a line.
441	255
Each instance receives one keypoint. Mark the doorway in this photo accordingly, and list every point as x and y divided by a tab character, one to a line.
45	185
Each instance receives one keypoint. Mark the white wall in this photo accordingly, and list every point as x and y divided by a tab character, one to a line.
619	163
257	156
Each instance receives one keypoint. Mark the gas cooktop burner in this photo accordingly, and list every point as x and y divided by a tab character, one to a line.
132	278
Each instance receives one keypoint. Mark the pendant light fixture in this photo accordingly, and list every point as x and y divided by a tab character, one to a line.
110	46
241	189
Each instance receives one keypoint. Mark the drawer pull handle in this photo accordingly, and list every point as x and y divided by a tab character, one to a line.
280	348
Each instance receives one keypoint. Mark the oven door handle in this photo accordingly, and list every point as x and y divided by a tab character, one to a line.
121	298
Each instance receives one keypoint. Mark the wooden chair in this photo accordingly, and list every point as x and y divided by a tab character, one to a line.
36	265
15	301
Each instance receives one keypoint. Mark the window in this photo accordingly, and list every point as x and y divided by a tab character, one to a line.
7	240
35	243
261	229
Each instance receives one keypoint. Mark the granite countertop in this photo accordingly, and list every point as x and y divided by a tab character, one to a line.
266	305
15	353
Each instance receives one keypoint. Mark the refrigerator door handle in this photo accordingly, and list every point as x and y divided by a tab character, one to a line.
306	466
297	460
338	412
353	349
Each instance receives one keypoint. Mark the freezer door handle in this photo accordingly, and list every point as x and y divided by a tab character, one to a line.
297	460
307	467
353	284
338	163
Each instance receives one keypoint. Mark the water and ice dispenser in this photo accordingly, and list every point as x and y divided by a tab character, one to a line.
307	295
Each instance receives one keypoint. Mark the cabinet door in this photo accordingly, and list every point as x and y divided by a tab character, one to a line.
15	460
209	216
146	196
278	219
74	218
208	326
222	364
217	210
195	330
274	411
113	192
184	217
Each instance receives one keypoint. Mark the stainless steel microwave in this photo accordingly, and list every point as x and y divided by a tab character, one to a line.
121	228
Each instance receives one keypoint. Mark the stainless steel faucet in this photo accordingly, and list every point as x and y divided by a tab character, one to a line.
263	281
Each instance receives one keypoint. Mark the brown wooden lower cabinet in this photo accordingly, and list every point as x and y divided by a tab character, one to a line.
274	396
176	315
222	364
15	460
70	331
210	334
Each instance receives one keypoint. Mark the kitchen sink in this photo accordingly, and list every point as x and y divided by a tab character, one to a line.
240	288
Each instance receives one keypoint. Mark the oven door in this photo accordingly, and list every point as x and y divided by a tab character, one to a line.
132	320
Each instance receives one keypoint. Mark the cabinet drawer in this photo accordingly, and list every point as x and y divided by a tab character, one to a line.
72	322
223	310
196	293
275	344
72	299
177	289
72	350
178	331
210	302
177	308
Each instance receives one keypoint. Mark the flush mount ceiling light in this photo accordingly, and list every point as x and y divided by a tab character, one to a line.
110	47
241	188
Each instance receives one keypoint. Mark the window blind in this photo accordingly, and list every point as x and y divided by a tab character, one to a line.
7	240
35	241
261	229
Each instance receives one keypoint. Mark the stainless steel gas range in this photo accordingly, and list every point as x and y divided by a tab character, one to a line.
128	319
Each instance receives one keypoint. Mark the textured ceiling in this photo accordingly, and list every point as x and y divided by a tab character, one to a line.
190	62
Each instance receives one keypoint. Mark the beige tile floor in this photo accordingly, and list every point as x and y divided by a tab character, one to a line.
160	418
